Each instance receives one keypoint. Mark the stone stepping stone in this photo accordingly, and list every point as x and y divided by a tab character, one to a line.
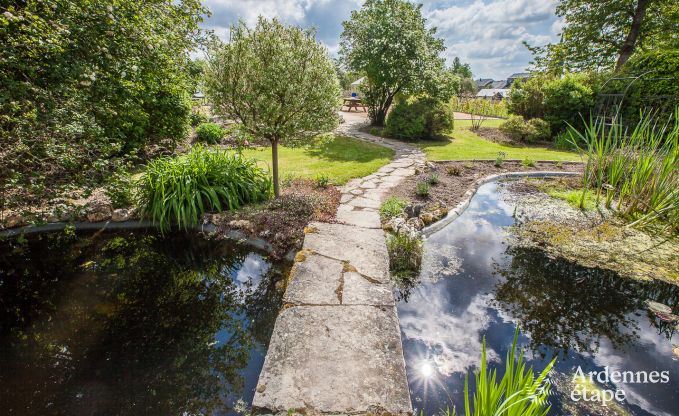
364	203
338	359
315	281
358	290
364	249
362	218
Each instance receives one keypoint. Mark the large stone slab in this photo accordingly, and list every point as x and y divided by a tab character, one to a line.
334	360
359	218
359	290
315	281
364	249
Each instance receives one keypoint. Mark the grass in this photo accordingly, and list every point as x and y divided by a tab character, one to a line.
339	159
392	207
405	257
464	144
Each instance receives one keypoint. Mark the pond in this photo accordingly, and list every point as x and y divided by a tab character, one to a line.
475	284
132	323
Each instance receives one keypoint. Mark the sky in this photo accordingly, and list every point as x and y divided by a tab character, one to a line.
487	34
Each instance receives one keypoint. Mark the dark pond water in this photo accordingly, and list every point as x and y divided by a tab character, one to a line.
131	323
474	284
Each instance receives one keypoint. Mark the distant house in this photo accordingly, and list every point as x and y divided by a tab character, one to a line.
493	93
516	77
498	85
482	83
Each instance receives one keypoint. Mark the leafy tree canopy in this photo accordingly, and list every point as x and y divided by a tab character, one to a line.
277	81
388	41
603	34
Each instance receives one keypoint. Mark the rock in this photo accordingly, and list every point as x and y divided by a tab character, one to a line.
415	223
11	219
675	350
98	206
658	308
121	214
244	225
413	210
427	218
394	224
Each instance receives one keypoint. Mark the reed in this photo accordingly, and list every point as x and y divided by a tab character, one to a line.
634	172
179	190
518	393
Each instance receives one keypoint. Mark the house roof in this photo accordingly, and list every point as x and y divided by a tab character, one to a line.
520	75
492	92
482	82
499	84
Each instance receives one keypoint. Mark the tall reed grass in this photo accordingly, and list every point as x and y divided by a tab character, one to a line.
179	190
634	172
479	106
518	393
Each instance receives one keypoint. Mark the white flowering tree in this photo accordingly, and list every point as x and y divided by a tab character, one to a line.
388	41
277	82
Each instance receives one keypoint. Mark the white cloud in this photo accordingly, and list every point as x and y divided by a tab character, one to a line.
486	33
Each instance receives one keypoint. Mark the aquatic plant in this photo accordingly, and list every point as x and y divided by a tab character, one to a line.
638	169
392	207
518	393
405	256
179	190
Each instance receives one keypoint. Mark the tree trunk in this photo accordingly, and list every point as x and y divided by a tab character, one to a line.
381	113
274	167
631	40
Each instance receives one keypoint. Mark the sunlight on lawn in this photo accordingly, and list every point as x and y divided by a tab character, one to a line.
341	159
465	144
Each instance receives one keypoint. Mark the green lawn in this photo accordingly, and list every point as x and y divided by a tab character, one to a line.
341	159
464	144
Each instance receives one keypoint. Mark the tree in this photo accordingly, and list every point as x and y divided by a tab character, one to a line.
601	34
463	70
388	41
277	82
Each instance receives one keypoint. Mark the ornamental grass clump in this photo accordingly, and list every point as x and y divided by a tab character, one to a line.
519	392
634	172
179	190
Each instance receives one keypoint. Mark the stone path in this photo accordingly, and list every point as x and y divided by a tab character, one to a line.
336	347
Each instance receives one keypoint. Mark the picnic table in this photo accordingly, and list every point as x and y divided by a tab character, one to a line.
353	102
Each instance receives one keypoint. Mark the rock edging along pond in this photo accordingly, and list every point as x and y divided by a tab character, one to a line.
208	229
336	345
466	199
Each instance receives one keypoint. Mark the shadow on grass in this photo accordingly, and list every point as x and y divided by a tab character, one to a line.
345	149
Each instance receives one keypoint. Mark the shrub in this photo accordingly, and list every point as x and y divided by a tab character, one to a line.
420	119
500	159
538	130
526	97
179	190
392	207
405	256
120	189
568	100
422	189
514	127
198	117
210	133
527	131
453	170
322	180
375	131
528	163
433	179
